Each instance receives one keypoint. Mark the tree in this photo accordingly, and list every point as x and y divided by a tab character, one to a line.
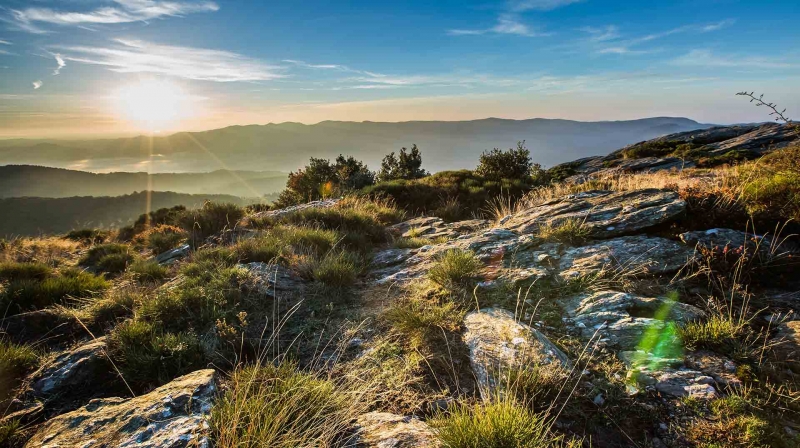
353	174
321	178
511	164
407	166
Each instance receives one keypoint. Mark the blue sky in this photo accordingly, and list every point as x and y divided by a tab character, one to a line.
242	62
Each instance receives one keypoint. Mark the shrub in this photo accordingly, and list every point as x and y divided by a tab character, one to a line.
338	269
455	268
350	219
147	356
88	235
115	263
450	210
407	166
501	423
148	270
115	251
107	311
321	178
161	238
261	249
511	164
281	407
10	271
26	294
570	231
210	219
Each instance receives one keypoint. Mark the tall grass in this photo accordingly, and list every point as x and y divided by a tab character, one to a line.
455	268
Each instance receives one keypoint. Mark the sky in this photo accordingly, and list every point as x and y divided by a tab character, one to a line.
90	68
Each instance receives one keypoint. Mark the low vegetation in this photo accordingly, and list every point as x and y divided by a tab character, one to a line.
455	269
25	294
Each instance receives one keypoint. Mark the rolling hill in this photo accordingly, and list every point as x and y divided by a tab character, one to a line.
287	146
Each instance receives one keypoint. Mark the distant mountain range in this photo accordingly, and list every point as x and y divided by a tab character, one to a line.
26	180
287	146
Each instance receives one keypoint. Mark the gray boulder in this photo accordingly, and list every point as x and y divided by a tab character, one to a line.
431	227
174	255
497	341
605	213
74	369
385	430
172	416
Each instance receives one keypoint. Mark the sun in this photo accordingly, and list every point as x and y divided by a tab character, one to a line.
152	105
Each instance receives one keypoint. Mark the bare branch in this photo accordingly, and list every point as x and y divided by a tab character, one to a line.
759	100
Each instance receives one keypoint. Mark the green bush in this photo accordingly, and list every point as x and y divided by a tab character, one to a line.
27	294
264	249
88	235
147	356
279	407
407	165
148	270
337	269
115	263
161	238
10	271
501	423
455	268
511	164
112	255
109	310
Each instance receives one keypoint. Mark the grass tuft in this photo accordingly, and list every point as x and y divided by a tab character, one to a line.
569	231
455	268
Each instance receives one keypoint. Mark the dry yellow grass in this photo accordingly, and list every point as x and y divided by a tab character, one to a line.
52	251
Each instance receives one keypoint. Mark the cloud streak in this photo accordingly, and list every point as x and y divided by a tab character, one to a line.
125	11
136	56
706	58
37	84
506	24
539	5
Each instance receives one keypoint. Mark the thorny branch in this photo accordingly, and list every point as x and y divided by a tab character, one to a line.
759	100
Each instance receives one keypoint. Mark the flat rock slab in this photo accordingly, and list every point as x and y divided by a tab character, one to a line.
172	416
385	430
686	383
762	139
720	239
787	340
497	341
640	254
326	203
173	255
431	227
605	213
74	369
274	280
620	319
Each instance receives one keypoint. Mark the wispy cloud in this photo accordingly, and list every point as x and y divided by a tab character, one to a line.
37	85
5	42
317	66
60	62
609	39
125	11
719	25
707	58
135	56
538	5
506	24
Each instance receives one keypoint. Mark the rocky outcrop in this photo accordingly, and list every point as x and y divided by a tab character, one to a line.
605	213
274	280
787	344
718	367
600	167
325	203
385	430
762	139
430	227
497	342
173	255
74	370
620	320
172	416
699	137
684	382
720	239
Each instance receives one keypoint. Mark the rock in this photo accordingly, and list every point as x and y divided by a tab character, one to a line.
431	227
174	255
385	430
721	369
621	319
762	139
603	168
274	280
682	383
701	137
326	203
605	213
74	370
497	341
172	416
391	257
641	254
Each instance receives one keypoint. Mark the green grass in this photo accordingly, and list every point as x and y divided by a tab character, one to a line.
501	423
148	356
423	321
115	263
12	434
16	361
162	238
88	235
10	271
148	270
97	253
30	294
281	407
209	220
417	242
569	231
455	268
716	333
109	310
337	269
